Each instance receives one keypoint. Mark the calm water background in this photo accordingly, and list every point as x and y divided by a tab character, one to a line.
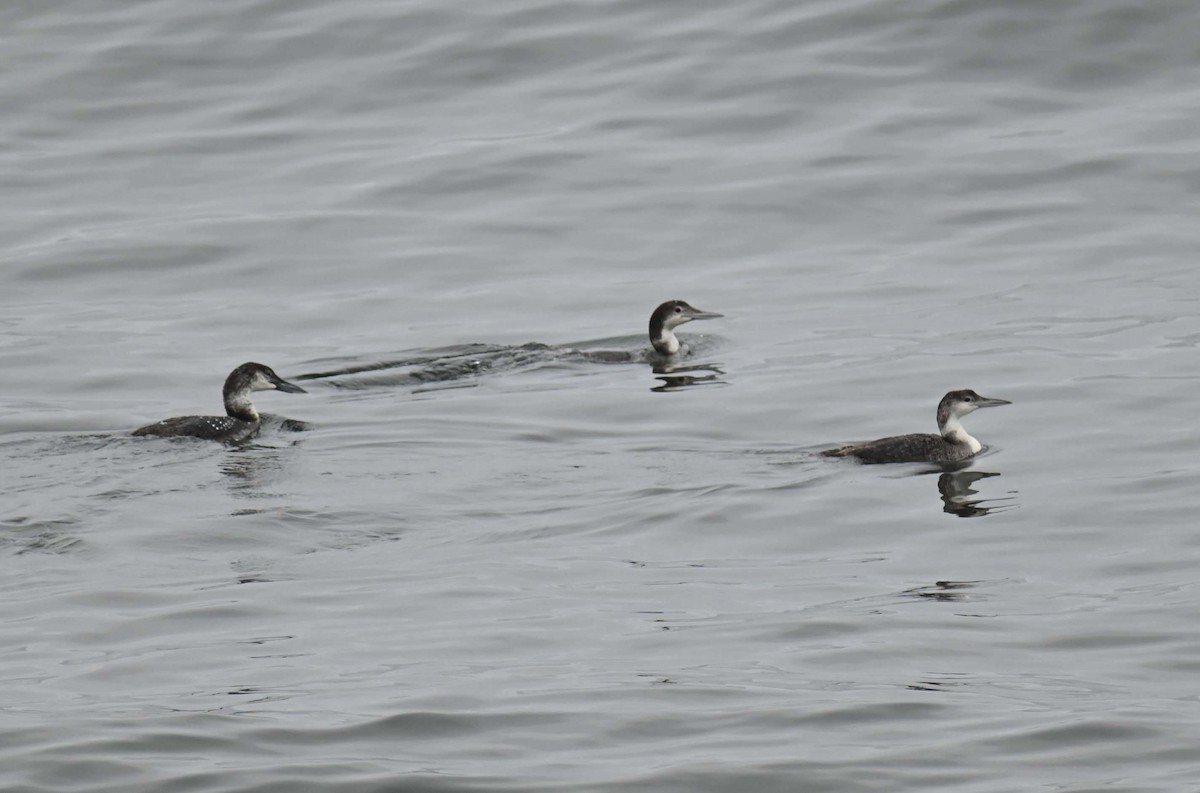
542	574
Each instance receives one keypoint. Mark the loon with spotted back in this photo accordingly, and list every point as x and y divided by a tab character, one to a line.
952	445
669	316
240	422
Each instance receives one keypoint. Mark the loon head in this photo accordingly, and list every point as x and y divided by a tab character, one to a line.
955	405
669	316
250	377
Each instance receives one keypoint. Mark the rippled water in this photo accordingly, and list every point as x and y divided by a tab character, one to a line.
509	554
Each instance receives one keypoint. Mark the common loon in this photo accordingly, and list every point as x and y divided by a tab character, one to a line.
669	316
952	445
241	421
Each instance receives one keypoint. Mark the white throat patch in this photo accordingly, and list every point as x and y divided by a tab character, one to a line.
954	431
668	343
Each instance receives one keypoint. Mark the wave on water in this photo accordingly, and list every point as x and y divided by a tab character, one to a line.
448	366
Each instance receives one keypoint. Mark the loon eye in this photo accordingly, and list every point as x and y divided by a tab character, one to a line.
678	309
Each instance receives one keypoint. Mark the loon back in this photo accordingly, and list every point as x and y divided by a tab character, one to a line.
213	428
921	447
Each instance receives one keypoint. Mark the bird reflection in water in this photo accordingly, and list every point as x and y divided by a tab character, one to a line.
955	487
676	376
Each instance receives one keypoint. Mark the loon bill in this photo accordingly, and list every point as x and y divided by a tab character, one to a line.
240	422
951	445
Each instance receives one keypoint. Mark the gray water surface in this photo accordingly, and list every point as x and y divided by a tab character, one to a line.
499	561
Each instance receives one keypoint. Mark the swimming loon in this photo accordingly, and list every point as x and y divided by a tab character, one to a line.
241	421
669	316
952	445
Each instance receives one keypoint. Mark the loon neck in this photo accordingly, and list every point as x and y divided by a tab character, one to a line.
665	342
953	431
239	406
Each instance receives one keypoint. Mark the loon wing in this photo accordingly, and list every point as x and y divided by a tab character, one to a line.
213	428
915	448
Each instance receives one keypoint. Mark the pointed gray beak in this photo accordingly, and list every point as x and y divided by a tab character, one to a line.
284	385
697	314
989	402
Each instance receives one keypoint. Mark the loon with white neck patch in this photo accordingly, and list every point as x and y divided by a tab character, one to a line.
669	316
240	422
952	445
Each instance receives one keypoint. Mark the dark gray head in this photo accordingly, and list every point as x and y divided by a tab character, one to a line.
256	377
957	404
669	316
